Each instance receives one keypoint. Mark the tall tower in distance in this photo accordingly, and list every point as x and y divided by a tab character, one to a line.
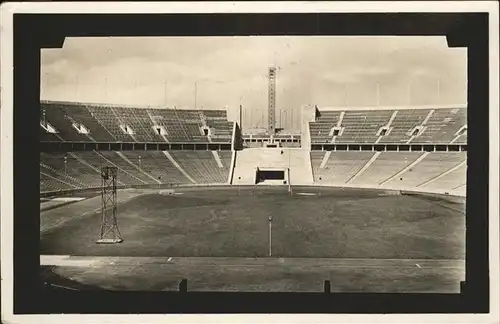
271	113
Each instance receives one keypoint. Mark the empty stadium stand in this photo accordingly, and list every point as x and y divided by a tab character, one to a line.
157	165
71	168
420	171
78	170
403	123
416	126
452	180
204	166
321	129
339	167
51	183
409	170
385	165
362	126
79	122
443	125
431	166
63	115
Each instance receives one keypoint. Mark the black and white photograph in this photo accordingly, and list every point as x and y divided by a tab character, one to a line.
323	160
254	163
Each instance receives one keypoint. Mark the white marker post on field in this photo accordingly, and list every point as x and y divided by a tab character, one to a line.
270	234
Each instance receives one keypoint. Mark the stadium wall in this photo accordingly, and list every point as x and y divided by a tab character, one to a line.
237	139
406	190
231	170
428	193
308	113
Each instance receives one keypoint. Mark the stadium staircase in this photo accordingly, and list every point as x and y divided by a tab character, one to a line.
248	160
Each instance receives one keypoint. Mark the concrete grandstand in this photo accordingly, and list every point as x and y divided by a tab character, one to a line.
401	148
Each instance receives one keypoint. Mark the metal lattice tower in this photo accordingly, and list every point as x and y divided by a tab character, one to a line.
110	233
271	114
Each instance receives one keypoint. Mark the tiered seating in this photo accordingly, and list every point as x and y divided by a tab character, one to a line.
47	137
181	125
320	129
194	133
95	161
450	181
226	157
156	164
390	170
81	114
108	119
55	169
385	165
223	130
201	166
138	119
442	126
341	166
362	126
405	121
217	119
431	166
193	123
62	115
70	166
462	139
56	115
50	184
82	166
168	119
316	158
125	166
215	114
82	169
103	123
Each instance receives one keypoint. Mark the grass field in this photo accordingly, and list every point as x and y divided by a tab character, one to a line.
361	240
224	223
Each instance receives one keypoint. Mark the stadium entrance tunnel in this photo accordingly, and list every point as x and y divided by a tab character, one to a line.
272	176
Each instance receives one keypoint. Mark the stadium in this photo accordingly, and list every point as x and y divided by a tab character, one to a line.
376	192
367	198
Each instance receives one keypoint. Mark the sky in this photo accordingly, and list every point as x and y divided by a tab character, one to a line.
220	72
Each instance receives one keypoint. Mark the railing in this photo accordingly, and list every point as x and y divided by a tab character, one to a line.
131	146
390	147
